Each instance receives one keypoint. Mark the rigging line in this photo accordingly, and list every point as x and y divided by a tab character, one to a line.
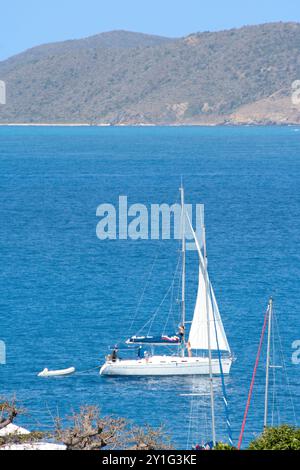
180	261
169	311
152	318
144	326
253	378
283	382
285	370
191	415
199	416
170	308
158	308
276	399
143	293
275	404
193	421
171	301
87	370
206	427
225	397
178	290
274	375
188	444
177	314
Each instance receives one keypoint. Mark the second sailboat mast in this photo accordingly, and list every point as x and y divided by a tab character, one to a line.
183	268
212	399
268	362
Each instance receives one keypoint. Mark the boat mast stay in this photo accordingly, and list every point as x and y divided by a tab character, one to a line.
268	362
183	269
212	399
253	378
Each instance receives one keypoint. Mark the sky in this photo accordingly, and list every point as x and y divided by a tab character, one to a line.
27	23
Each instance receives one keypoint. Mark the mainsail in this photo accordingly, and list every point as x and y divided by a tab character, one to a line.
198	337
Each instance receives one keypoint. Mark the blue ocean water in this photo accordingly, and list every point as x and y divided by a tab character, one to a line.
65	296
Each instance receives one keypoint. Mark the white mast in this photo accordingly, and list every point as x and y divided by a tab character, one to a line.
268	362
212	400
183	267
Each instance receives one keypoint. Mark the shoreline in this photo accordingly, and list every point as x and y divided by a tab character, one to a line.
220	124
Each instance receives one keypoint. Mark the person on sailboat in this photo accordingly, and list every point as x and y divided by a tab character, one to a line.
181	332
197	447
140	352
206	446
205	333
114	355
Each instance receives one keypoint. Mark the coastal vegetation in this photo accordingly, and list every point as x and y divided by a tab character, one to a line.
277	438
87	429
282	437
238	76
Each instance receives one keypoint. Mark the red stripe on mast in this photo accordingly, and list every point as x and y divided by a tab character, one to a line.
253	379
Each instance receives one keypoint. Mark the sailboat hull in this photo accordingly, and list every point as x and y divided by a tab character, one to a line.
163	365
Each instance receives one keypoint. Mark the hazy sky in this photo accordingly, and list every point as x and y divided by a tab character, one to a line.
26	23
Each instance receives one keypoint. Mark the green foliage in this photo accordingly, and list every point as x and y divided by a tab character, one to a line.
15	438
280	438
223	446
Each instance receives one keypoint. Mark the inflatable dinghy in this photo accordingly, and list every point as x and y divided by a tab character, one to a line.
56	373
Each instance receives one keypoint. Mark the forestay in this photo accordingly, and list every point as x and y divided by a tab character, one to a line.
198	337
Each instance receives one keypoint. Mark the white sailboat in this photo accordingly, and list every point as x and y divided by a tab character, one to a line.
207	334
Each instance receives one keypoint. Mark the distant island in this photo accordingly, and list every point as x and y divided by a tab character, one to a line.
236	77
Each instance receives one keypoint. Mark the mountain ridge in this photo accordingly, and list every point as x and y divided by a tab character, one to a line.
237	76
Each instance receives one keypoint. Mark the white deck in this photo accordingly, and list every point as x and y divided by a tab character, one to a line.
165	365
